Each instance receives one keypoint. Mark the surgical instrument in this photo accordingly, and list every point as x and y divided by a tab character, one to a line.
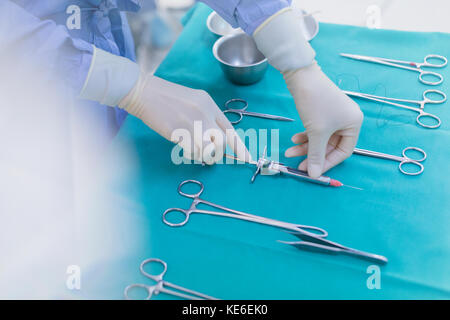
230	213
404	159
409	65
420	110
241	112
320	245
275	167
312	241
161	284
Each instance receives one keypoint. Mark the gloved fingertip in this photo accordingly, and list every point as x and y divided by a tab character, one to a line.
239	148
303	166
289	152
314	170
211	154
206	159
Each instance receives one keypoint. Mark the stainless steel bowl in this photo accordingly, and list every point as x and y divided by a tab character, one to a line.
240	59
217	25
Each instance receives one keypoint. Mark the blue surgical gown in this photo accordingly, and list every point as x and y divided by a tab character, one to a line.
36	30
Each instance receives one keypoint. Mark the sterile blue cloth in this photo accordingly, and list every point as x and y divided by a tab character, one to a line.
405	218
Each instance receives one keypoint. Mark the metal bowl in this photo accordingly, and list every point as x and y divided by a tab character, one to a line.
217	25
240	59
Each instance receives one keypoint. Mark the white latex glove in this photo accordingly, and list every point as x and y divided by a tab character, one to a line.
164	106
331	119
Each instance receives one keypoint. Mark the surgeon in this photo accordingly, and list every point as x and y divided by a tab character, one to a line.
89	45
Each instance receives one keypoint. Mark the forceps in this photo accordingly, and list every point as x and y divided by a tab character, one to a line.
404	159
420	110
230	213
242	112
161	284
312	241
409	65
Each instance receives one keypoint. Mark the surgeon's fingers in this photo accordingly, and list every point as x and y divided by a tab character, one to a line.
339	148
300	137
302	149
233	139
342	151
332	143
303	165
213	145
190	150
317	148
198	147
219	139
297	151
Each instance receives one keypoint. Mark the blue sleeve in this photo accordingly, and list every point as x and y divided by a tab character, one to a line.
246	14
26	38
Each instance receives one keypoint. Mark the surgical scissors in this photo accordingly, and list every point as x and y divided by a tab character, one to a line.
161	284
420	110
230	213
409	65
311	241
242	112
403	160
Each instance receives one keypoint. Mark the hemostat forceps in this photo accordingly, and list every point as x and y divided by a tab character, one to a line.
409	65
421	103
230	213
161	285
242	111
312	241
404	159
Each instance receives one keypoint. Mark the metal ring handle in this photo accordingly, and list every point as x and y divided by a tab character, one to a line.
424	154
190	195
434	65
155	277
400	167
227	104
438	92
315	230
234	112
429	73
179	224
150	290
428	115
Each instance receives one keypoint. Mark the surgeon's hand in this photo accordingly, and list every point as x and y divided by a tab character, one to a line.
166	107
332	120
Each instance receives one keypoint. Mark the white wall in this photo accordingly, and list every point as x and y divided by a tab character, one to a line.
412	15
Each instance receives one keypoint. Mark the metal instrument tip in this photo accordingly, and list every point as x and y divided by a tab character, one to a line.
357	188
349	55
229	156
